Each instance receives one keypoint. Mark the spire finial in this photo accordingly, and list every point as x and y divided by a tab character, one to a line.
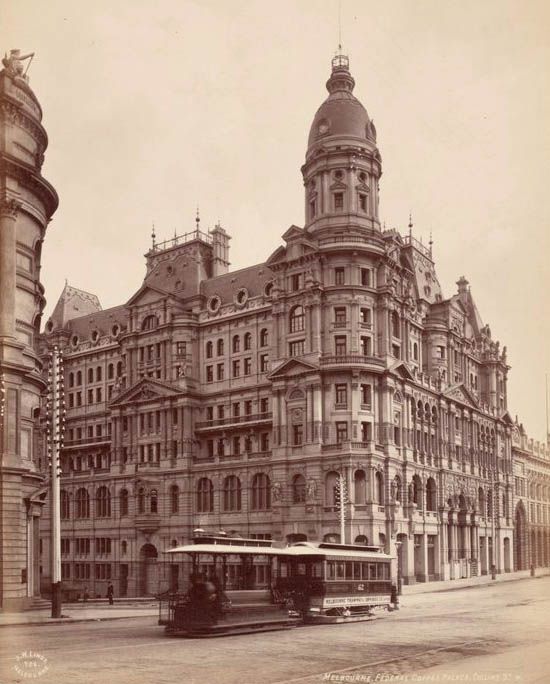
410	224
153	236
198	218
431	243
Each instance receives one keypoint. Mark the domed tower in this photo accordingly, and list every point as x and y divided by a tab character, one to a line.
343	164
27	202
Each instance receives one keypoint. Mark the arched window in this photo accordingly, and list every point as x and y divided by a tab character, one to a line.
110	371
489	504
331	538
236	344
359	487
82	502
141	500
98	373
395	327
331	485
298	489
379	488
119	369
209	349
71	379
153	501
123	547
219	347
150	322
103	503
263	337
174	499
417	491
205	496
261	492
248	341
481	501
297	319
415	351
123	501
65	505
232	493
431	495
90	374
78	377
362	539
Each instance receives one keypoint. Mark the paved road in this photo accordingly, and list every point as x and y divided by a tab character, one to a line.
487	634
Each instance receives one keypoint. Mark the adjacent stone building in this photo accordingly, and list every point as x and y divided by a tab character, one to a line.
27	202
235	399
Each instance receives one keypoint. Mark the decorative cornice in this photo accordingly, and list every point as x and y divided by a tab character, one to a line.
31	178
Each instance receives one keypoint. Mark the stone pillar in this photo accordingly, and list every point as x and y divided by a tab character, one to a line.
8	218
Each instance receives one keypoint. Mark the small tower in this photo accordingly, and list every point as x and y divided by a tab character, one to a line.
220	250
343	164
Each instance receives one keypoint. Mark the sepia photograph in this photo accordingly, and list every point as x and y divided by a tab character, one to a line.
274	341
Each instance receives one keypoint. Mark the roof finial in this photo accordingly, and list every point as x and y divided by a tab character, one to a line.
410	224
198	218
153	236
431	243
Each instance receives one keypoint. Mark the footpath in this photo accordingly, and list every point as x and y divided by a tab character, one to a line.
98	610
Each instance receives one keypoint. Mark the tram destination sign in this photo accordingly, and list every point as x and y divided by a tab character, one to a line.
367	600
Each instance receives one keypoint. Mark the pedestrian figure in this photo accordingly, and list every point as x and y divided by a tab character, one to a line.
110	592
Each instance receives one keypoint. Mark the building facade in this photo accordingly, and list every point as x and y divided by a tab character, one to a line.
27	202
235	400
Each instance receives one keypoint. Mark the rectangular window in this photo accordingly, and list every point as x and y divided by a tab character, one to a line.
341	396
338	201
366	317
264	405
297	435
181	349
340	317
247	366
248	407
296	282
440	352
71	400
90	396
236	369
396	351
339	275
221	412
296	348
341	432
366	432
362	202
264	363
209	413
79	398
210	448
366	346
340	345
209	373
264	441
236	410
236	446
220	371
312	209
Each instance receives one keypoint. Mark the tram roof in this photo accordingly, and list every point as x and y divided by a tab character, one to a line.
300	549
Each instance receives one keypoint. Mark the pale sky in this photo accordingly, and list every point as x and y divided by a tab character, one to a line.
153	108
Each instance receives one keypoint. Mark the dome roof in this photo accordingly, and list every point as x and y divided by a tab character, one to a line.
341	114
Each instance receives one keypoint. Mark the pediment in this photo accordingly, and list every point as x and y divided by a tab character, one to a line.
146	389
402	370
292	367
278	256
506	418
461	394
292	233
147	294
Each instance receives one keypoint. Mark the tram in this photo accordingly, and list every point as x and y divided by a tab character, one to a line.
246	585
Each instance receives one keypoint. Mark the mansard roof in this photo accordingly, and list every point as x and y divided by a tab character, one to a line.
103	321
73	303
253	278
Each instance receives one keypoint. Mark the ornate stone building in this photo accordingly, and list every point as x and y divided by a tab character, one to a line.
27	202
235	400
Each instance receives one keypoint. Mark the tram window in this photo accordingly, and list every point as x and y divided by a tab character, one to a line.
300	569
357	571
372	571
283	569
331	570
364	571
340	570
317	569
385	571
349	570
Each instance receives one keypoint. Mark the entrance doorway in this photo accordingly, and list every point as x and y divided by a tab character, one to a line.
149	572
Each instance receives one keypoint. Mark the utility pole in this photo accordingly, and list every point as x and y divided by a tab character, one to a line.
55	408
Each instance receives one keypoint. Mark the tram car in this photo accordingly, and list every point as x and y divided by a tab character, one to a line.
247	585
336	582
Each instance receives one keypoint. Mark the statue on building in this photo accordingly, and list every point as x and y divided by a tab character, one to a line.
13	63
311	489
276	491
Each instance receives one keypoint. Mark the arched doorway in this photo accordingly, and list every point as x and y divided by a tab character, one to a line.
520	538
149	571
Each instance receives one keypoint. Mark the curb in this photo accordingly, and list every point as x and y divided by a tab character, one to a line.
72	621
490	583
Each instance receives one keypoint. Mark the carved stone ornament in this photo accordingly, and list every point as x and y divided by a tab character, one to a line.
276	491
311	489
9	207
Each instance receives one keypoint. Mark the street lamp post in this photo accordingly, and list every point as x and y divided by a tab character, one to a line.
399	578
55	428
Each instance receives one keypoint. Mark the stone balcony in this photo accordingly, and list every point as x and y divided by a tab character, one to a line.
351	360
246	420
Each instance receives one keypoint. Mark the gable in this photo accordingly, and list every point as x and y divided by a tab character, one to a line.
146	389
293	367
402	370
147	295
461	394
292	233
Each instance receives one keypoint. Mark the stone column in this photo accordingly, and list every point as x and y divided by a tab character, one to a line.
8	219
